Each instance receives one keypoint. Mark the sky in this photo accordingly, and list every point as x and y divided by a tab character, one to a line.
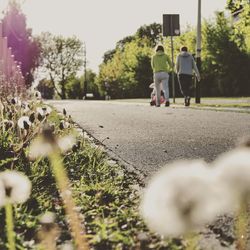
101	23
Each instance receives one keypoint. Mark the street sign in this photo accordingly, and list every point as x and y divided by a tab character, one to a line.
171	25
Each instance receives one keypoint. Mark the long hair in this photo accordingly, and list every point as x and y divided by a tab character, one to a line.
159	48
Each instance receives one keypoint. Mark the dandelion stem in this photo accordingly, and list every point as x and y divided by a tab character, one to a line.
241	227
192	239
2	118
10	225
77	230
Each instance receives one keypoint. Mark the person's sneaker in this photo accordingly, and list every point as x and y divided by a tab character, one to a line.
157	105
186	101
167	104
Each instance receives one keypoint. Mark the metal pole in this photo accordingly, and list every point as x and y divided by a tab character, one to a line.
85	73
172	55
198	54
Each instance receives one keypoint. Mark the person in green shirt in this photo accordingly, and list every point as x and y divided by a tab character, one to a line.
161	63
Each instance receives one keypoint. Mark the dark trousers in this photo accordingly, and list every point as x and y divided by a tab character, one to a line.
185	82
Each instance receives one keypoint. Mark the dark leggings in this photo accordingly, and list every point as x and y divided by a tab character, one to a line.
185	82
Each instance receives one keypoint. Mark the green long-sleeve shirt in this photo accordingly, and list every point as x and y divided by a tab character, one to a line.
160	62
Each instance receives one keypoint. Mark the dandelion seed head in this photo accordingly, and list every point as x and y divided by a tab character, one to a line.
32	117
66	143
67	246
47	143
37	95
233	170
40	111
181	198
2	194
26	107
16	101
47	218
23	122
64	125
16	185
40	148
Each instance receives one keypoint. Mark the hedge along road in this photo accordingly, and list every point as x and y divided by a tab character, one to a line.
148	137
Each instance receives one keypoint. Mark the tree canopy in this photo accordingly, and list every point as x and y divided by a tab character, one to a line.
61	58
25	48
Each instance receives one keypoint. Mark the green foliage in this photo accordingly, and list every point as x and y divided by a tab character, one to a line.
151	32
46	89
242	28
74	87
236	5
61	58
127	68
225	66
128	72
187	38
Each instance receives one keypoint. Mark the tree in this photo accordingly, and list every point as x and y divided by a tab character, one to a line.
240	10
46	88
108	55
61	58
128	72
225	65
25	48
121	44
236	5
152	32
74	87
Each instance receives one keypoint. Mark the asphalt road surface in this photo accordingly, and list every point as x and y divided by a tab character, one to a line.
147	137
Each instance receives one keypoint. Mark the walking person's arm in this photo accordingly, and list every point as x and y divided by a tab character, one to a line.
196	70
152	63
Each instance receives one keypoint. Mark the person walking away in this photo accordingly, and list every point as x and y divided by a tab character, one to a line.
185	65
160	63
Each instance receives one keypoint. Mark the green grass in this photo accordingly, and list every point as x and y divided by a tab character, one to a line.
213	102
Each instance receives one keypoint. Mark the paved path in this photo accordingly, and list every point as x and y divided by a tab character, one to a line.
149	137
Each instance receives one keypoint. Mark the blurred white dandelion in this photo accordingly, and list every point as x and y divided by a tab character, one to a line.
66	143
233	170
47	218
67	246
46	144
2	194
181	198
17	186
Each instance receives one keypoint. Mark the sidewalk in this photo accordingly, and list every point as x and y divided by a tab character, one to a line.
239	104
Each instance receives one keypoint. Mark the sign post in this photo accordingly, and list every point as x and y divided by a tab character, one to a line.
171	27
85	88
198	55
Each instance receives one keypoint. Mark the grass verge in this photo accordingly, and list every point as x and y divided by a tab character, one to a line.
105	193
